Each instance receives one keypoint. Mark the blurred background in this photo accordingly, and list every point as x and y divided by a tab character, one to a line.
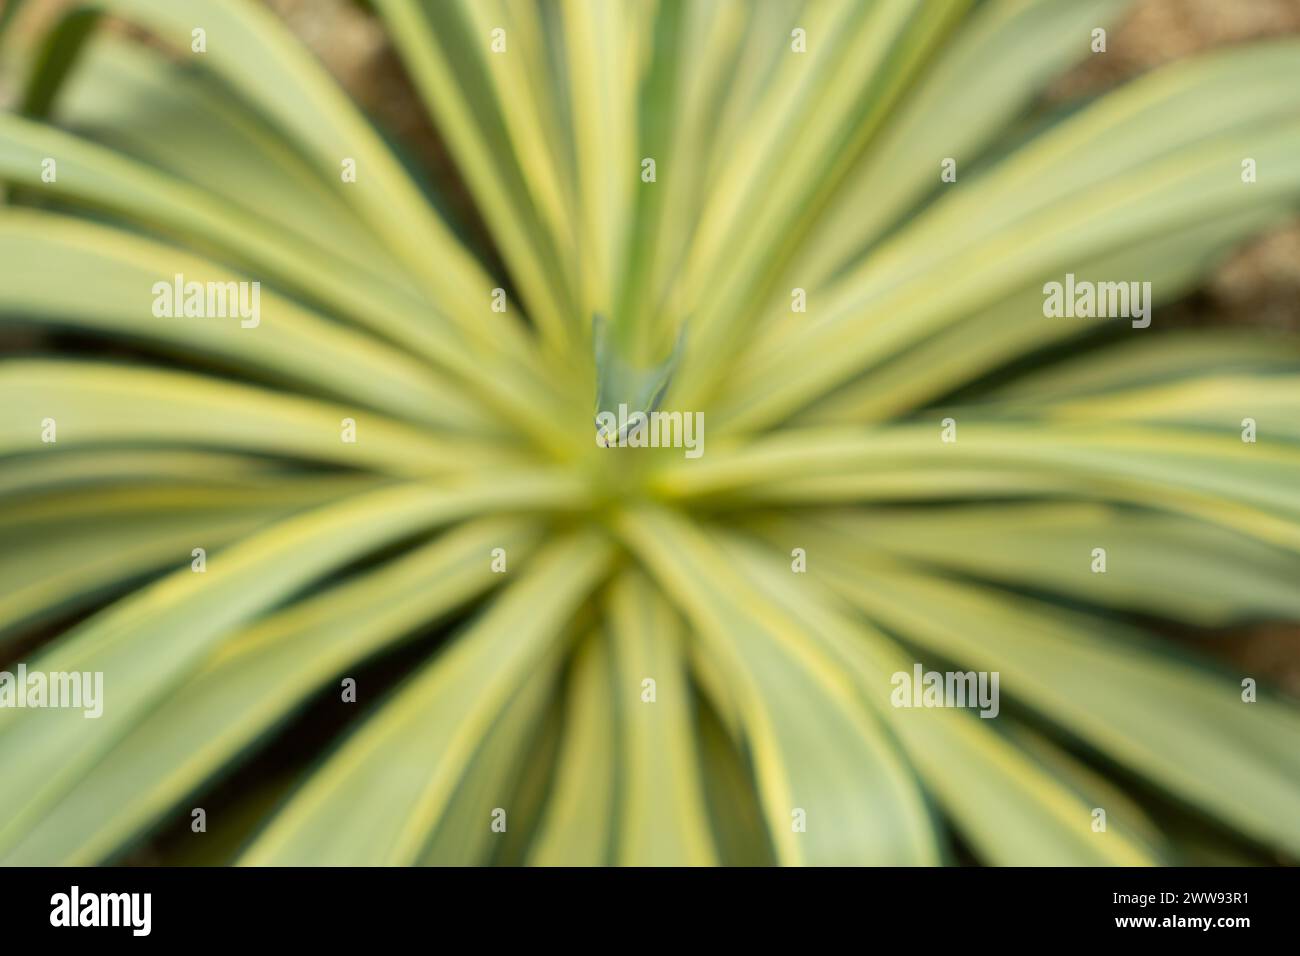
1258	285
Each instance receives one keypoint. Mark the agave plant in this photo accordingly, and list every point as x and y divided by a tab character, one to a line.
361	580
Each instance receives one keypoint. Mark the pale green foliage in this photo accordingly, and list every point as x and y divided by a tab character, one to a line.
644	679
